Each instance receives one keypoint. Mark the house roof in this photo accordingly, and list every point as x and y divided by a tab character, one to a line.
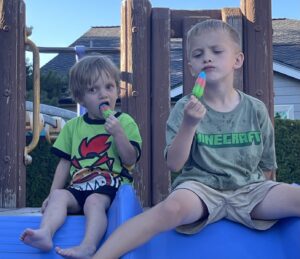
286	42
286	48
104	36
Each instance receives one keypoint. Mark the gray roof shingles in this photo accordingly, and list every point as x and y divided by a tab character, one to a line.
286	42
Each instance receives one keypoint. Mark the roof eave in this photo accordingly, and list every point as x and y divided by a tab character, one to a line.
286	70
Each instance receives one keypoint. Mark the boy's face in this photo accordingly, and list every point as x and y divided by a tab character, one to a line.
215	53
103	91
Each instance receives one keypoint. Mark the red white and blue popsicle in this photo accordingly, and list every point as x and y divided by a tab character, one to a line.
199	86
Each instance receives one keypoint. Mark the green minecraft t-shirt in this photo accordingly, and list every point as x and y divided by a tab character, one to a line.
229	149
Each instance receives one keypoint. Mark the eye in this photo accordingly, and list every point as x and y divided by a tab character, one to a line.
109	86
197	54
217	51
92	90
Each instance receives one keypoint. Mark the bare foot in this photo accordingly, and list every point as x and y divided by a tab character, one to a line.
77	252
38	238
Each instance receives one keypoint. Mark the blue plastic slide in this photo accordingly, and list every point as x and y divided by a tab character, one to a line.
221	240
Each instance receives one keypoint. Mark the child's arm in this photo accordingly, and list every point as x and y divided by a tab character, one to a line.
126	150
61	174
179	150
60	177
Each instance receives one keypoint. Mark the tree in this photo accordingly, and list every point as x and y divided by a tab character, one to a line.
53	86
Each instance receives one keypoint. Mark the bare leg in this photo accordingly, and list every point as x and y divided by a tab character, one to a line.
281	201
96	222
53	218
181	207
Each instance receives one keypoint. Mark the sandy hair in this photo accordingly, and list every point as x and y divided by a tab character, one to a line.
87	71
212	25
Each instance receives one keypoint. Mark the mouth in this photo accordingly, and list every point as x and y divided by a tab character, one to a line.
104	104
208	68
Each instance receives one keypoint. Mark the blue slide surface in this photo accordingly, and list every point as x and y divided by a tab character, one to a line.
221	240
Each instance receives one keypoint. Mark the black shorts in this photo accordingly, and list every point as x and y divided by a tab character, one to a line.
81	196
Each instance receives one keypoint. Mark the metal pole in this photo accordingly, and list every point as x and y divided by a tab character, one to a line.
72	50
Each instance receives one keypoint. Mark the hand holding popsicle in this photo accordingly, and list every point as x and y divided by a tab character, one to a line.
106	112
199	86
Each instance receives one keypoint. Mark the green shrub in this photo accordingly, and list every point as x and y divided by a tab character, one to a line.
40	174
287	142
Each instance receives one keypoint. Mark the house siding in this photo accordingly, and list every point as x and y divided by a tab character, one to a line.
287	92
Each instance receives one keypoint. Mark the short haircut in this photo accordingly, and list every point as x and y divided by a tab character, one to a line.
86	72
212	25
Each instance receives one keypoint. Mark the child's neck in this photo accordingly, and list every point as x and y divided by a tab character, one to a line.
222	100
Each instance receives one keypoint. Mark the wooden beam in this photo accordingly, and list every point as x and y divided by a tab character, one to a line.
12	104
135	93
258	65
234	17
177	17
160	101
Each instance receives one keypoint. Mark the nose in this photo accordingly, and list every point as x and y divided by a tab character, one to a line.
207	58
102	93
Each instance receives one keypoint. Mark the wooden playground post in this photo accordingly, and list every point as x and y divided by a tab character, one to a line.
258	65
135	83
12	104
160	101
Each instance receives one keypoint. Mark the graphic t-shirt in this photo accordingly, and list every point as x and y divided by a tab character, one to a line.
93	153
229	149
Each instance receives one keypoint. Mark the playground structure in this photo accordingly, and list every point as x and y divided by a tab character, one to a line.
146	33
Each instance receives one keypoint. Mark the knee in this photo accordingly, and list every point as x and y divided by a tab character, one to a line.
58	195
172	210
97	201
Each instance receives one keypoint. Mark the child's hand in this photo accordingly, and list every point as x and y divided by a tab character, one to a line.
113	126
194	111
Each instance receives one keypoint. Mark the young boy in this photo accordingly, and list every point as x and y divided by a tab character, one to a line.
98	154
223	145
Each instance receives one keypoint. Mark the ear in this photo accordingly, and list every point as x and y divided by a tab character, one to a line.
239	60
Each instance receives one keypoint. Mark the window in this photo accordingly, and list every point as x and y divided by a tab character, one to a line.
284	111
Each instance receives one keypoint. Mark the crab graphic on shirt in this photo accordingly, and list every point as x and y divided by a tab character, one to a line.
93	158
93	153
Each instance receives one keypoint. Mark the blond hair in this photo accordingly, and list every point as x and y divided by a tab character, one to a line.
87	71
212	25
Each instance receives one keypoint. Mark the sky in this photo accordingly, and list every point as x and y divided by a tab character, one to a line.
58	23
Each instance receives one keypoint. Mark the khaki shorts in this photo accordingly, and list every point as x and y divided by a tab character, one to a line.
233	205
